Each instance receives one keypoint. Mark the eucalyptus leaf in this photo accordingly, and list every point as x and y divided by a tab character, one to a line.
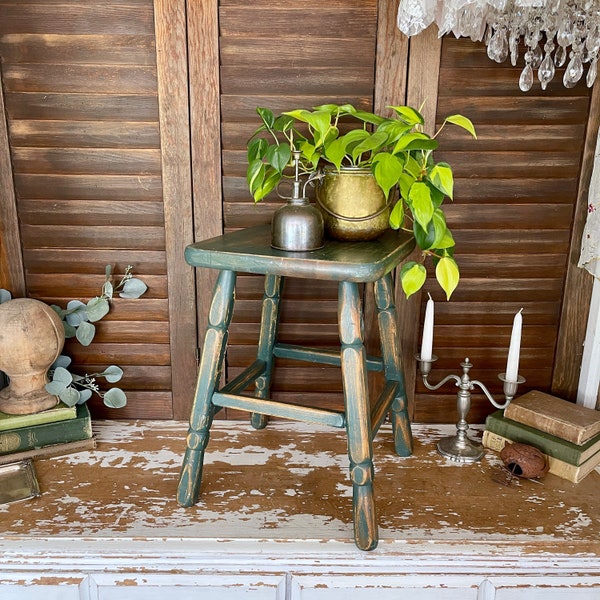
84	396
5	296
97	308
70	331
133	288
108	290
62	361
61	375
85	333
115	398
76	313
70	396
55	387
112	374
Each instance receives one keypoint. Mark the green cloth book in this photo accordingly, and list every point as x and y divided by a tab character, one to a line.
47	434
61	412
551	445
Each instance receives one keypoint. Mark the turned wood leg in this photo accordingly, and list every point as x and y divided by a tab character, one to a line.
392	360
269	322
213	351
358	421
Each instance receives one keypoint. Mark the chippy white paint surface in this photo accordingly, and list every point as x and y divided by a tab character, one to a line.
274	521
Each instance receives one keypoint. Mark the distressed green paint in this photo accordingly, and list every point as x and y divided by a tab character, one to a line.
350	263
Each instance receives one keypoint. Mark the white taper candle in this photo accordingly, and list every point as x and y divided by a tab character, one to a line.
427	342
512	364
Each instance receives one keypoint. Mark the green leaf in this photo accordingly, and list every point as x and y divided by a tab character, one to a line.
421	204
255	175
447	274
112	374
133	288
257	148
443	237
463	122
424	238
371	142
283	123
115	398
397	215
415	141
70	331
108	290
272	178
70	396
97	308
441	177
278	156
85	333
387	170
267	116
412	277
409	115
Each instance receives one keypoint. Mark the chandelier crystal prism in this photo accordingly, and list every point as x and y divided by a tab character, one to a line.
554	33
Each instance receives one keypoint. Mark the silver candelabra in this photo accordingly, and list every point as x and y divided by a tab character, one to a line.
459	447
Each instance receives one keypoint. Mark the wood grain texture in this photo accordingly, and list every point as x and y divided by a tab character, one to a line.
171	53
12	276
205	137
578	283
83	125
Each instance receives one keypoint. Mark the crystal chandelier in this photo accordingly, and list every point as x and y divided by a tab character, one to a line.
554	32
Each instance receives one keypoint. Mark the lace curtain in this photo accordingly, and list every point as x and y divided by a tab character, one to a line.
590	242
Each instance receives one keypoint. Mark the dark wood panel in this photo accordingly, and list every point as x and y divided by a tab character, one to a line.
76	18
44	260
513	241
525	189
83	161
542	312
98	79
89	187
315	52
63	236
270	21
145	404
525	110
84	134
509	215
292	311
512	265
134	332
329	81
81	107
120	354
85	212
78	49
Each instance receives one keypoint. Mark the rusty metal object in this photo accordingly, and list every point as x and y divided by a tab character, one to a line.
523	460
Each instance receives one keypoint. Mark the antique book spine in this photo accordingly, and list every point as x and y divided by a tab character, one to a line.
548	444
61	412
49	451
557	467
46	434
555	416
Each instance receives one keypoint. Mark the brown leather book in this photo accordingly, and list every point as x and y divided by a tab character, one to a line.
553	415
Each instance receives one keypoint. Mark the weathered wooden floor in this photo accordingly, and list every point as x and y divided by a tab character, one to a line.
290	482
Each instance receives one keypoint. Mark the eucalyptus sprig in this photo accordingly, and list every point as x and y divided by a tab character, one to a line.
78	321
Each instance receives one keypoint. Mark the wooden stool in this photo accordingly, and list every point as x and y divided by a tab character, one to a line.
249	251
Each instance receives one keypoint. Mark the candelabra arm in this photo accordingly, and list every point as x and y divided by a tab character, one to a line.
489	396
436	386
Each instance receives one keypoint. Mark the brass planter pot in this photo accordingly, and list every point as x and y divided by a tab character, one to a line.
354	207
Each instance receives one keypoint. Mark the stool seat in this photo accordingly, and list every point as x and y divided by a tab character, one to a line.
349	263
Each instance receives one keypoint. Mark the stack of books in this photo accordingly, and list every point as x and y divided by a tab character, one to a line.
568	434
54	432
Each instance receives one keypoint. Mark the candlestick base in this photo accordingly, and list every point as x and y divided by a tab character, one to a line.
461	449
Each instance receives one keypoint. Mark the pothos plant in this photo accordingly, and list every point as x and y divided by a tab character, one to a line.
398	152
78	320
